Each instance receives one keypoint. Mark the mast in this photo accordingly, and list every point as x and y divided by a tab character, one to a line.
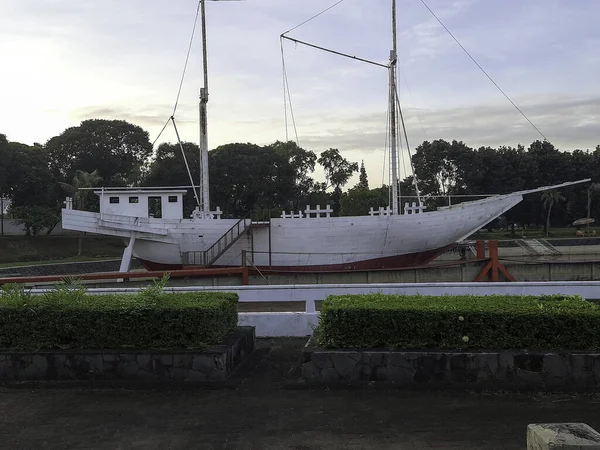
392	99
204	180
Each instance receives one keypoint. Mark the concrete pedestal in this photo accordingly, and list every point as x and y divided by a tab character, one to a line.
564	436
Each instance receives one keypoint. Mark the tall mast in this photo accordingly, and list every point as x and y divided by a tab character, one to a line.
204	180
393	137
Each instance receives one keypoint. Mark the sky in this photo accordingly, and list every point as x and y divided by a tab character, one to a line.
64	61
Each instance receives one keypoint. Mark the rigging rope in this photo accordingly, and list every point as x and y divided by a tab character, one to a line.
283	74
286	86
187	166
385	145
161	132
415	183
483	70
314	17
187	58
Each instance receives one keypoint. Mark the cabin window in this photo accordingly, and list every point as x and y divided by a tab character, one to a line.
114	200
172	199
134	199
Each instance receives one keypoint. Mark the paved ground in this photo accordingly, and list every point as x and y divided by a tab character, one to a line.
262	412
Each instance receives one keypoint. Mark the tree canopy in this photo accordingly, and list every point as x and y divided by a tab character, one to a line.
115	148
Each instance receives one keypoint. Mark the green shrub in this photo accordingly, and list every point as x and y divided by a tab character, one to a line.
494	322
67	317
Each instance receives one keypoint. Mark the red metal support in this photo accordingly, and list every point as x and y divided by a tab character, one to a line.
493	266
480	249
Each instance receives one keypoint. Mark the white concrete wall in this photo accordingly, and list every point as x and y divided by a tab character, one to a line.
124	208
140	209
172	210
280	324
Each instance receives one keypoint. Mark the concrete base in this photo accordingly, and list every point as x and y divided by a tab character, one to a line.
174	365
564	436
506	370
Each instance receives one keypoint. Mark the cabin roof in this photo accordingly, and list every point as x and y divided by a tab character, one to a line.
141	191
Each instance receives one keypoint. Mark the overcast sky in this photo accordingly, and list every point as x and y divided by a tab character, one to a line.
64	61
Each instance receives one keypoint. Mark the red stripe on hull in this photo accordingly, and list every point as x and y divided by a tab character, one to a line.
155	266
388	262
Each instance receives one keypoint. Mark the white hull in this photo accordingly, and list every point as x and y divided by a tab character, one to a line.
320	243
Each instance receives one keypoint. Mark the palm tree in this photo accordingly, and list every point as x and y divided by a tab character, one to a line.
550	198
79	188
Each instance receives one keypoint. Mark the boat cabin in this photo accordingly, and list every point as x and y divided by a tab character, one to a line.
146	203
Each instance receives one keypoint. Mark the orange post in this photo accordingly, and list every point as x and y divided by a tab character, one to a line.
493	266
480	249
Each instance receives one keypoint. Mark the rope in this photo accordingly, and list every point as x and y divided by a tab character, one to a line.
483	70
187	166
283	74
161	132
385	145
407	146
286	86
187	58
314	17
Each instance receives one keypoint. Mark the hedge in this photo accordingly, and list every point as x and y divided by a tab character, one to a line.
71	319
459	322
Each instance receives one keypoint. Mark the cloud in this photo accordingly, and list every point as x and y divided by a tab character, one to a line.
568	122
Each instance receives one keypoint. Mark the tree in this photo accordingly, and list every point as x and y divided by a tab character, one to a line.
80	188
5	163
168	169
363	181
441	166
359	200
549	199
30	182
115	148
338	171
35	218
302	163
594	188
246	177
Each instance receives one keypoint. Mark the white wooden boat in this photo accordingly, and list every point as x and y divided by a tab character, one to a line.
311	240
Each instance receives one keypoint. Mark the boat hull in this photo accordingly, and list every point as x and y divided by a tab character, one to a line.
389	262
304	244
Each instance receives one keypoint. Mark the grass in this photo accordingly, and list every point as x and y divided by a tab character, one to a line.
23	249
72	259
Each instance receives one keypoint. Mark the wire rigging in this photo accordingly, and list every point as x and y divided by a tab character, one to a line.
287	97
284	77
483	70
415	183
161	132
286	88
313	17
187	58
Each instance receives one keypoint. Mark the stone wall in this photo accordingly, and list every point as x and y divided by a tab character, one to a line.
210	364
476	370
